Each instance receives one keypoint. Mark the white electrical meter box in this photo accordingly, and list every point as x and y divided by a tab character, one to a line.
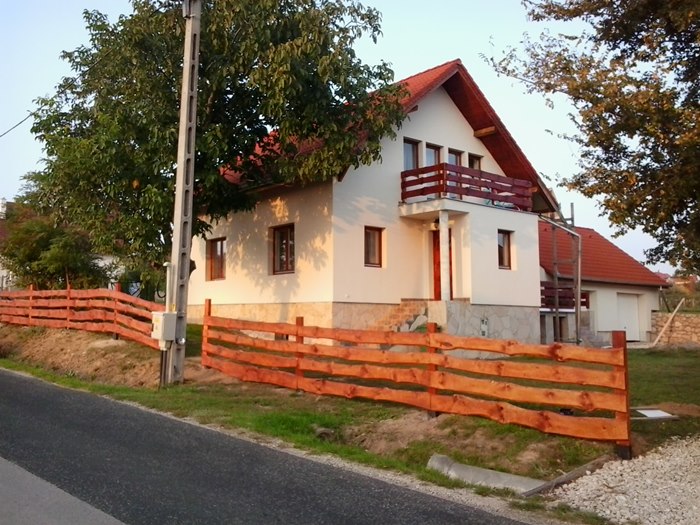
163	327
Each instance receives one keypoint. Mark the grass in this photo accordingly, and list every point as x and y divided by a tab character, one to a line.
664	375
658	376
193	345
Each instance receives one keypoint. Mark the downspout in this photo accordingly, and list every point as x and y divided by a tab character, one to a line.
577	275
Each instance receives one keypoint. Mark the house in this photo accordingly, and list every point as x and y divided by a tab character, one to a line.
444	228
617	292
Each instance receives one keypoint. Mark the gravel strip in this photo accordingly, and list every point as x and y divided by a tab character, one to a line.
659	488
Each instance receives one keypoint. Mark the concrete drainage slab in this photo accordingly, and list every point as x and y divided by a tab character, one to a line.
482	476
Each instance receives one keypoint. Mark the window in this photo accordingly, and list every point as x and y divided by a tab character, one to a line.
475	161
283	249
432	154
373	246
504	252
216	259
410	154
454	157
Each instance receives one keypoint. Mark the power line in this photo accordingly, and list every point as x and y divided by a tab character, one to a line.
73	81
16	125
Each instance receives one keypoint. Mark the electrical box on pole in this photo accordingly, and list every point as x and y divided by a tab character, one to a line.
176	295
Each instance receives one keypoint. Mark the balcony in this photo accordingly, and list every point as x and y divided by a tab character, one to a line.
563	294
462	183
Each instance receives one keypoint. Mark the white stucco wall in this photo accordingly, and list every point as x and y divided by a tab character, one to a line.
604	306
249	278
517	286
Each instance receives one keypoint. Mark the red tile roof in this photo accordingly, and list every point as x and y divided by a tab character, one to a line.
601	260
471	102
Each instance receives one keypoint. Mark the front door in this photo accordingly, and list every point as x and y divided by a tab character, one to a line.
437	278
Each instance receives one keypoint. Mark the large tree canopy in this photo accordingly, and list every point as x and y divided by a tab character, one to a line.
633	77
280	69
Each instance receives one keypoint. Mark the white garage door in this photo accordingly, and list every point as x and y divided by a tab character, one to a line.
628	315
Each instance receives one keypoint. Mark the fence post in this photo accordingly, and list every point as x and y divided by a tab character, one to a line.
205	325
623	448
431	329
67	306
299	341
117	289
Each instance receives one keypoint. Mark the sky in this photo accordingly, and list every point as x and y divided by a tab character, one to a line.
417	35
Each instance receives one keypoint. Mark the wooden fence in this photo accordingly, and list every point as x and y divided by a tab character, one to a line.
98	310
592	386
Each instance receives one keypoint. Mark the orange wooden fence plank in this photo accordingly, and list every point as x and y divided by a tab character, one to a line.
242	356
247	373
134	324
595	428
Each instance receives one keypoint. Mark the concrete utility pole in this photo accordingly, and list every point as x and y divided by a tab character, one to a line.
176	295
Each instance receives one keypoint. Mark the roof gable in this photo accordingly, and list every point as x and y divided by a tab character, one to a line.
460	86
601	260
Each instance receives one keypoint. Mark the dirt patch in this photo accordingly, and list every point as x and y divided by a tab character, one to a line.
387	437
96	357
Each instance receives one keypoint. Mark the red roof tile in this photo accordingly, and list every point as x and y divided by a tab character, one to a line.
422	84
601	260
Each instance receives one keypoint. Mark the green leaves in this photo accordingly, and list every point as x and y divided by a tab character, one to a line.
49	256
110	131
633	81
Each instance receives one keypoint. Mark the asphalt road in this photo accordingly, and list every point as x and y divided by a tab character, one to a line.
144	468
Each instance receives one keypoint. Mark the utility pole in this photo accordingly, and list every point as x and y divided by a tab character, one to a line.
176	295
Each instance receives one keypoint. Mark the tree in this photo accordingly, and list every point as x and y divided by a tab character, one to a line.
281	73
633	78
38	252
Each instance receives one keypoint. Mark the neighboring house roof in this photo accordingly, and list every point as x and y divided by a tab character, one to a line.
601	260
460	86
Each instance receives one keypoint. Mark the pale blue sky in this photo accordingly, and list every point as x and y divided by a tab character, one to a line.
417	35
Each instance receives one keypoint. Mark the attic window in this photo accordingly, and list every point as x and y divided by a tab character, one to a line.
454	157
432	154
475	161
410	154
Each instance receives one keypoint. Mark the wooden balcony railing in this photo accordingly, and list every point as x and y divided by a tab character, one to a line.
460	182
565	291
